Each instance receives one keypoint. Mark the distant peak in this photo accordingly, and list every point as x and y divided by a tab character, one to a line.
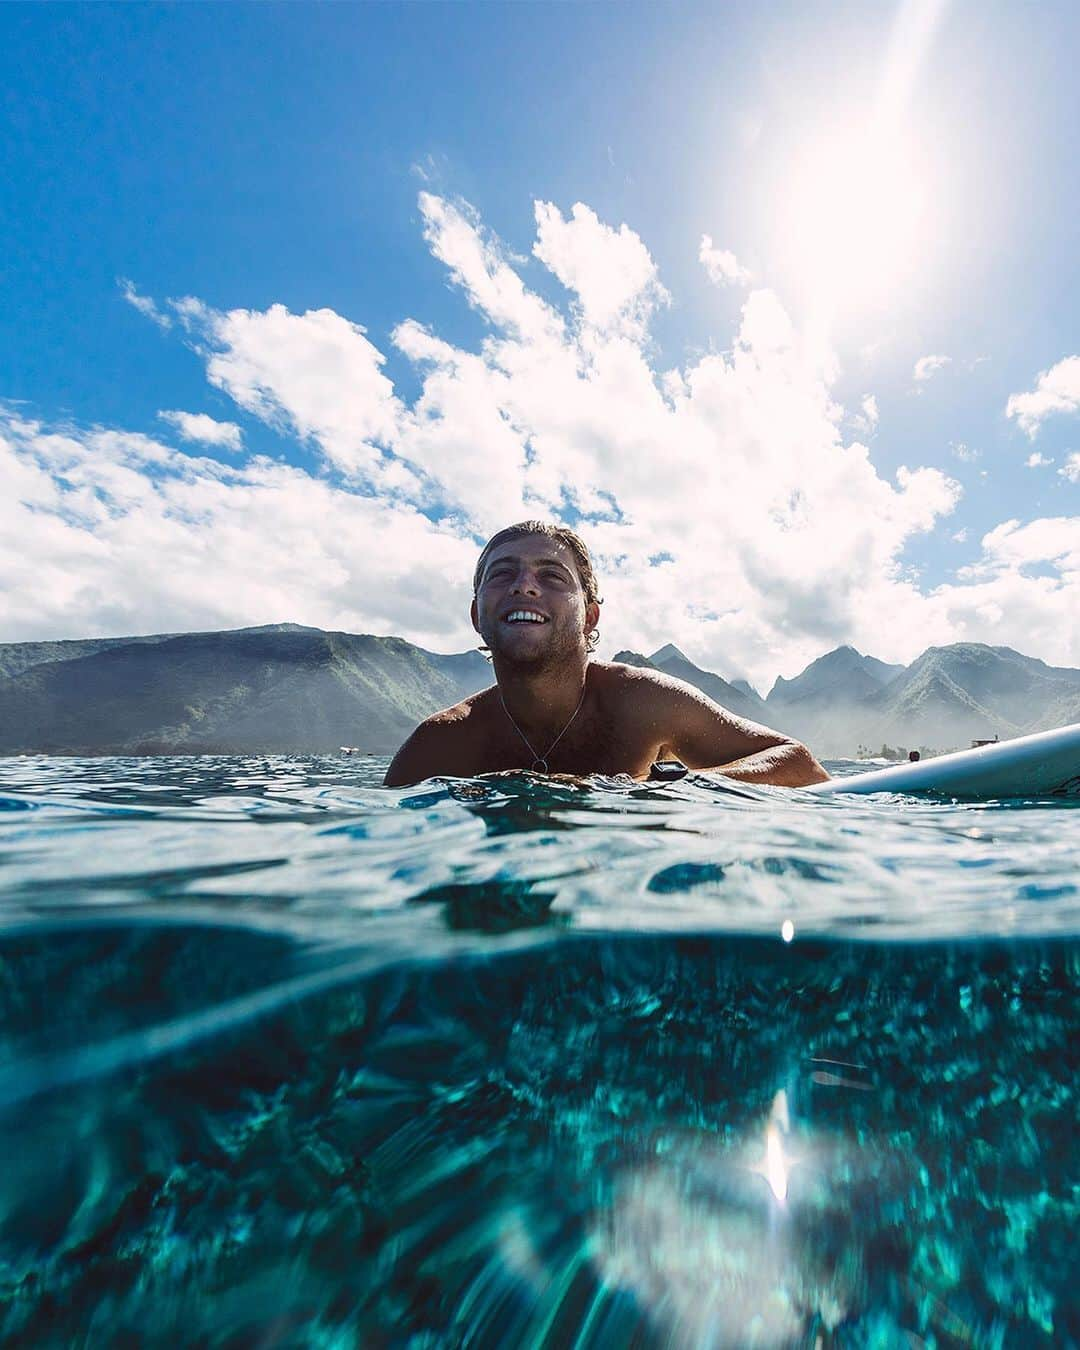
628	658
280	628
668	653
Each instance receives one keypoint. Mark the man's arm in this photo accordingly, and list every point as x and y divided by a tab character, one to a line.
706	736
422	756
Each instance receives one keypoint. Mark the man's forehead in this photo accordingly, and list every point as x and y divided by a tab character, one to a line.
533	547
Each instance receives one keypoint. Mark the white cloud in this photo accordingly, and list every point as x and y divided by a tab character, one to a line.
1024	591
1057	390
928	366
720	264
609	271
865	421
780	537
964	452
1036	460
478	264
203	429
1012	545
1071	468
314	374
131	536
142	303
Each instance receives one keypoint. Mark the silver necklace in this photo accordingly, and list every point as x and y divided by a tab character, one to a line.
540	762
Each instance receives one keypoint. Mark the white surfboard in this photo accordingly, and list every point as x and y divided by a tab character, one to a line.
1029	766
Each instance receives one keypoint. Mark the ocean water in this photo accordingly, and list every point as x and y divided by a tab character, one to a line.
287	1059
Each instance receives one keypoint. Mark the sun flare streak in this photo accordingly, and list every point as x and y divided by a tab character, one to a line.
776	1166
775	1163
854	221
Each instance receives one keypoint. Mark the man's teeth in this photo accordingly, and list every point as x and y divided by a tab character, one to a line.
525	616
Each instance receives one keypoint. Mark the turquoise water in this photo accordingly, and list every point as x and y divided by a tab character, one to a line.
290	1060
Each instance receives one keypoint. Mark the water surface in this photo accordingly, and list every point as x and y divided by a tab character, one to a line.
290	1059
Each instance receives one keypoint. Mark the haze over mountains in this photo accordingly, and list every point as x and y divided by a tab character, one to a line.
952	694
285	688
946	698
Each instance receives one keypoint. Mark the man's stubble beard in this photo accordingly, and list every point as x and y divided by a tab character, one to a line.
565	647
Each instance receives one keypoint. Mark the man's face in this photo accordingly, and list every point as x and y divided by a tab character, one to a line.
530	607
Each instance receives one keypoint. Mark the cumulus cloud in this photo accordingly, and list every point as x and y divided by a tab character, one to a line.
131	536
203	429
1071	468
1013	544
926	367
775	536
610	272
315	375
1036	460
721	266
477	262
1057	390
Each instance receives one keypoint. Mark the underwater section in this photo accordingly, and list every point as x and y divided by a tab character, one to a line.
605	1140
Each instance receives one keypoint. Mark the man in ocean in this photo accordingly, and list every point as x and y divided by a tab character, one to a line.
553	710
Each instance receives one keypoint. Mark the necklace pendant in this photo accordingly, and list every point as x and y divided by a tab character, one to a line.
540	764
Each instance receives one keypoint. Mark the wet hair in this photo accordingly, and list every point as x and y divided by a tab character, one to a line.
561	534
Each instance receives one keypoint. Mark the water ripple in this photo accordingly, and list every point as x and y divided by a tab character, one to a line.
319	837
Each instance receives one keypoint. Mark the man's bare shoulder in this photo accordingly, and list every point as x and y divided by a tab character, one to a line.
434	746
645	684
668	705
460	713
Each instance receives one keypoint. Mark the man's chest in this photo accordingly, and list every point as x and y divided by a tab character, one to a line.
601	743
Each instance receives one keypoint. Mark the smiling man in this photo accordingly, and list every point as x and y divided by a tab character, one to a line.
553	710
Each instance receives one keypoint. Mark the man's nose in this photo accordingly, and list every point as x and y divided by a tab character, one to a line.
525	583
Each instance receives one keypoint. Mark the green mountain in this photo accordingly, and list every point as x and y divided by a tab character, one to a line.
278	689
952	695
1010	687
929	707
839	692
15	657
843	674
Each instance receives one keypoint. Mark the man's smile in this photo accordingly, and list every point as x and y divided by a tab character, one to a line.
525	616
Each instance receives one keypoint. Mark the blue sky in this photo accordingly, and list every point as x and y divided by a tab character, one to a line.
254	157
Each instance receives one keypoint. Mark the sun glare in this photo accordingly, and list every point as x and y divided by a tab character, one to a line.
852	224
854	204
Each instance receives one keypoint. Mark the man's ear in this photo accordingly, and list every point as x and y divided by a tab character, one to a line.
592	616
474	615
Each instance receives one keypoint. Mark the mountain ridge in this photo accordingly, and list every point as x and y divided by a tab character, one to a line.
292	688
271	689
